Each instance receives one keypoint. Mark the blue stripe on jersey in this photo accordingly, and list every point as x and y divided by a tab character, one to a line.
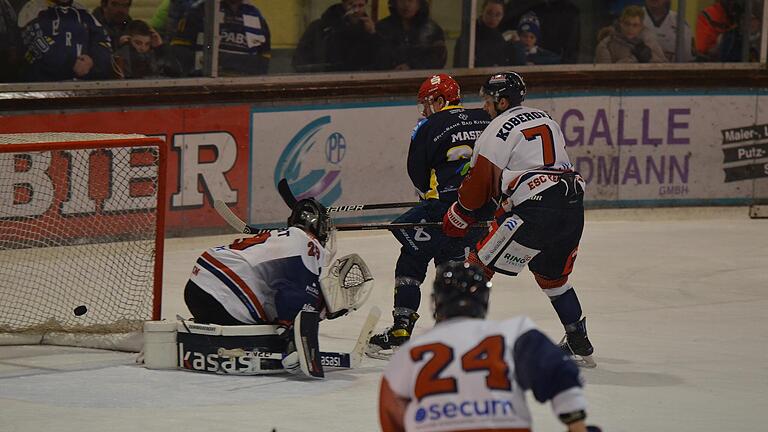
233	287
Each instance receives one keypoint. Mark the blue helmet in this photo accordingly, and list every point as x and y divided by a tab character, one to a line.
509	85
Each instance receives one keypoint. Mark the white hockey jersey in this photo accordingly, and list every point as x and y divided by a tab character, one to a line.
666	35
471	374
521	152
267	278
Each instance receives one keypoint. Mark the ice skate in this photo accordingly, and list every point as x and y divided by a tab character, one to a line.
576	344
383	345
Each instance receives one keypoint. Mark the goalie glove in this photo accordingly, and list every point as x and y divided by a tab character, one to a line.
346	285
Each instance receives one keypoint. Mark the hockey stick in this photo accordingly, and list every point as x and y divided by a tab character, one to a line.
290	200
364	207
235	222
352	359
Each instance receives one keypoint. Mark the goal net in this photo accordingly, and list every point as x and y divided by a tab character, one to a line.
81	237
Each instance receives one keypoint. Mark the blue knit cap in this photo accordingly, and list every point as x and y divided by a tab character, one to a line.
530	23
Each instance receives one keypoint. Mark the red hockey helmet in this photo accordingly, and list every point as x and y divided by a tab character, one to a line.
440	85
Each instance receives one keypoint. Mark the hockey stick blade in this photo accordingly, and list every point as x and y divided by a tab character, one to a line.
356	356
286	194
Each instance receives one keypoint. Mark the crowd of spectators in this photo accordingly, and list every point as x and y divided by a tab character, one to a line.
54	40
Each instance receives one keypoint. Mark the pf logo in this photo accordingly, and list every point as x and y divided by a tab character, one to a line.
311	162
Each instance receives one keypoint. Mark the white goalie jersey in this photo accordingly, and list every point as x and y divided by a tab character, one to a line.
267	278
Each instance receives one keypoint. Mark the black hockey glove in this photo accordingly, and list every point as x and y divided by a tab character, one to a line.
642	52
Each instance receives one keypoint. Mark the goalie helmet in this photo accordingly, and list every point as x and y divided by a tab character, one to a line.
440	85
509	85
460	289
311	216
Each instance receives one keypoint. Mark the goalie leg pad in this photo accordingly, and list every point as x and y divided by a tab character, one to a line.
305	329
231	350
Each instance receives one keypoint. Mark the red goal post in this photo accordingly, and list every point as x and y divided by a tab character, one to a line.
81	238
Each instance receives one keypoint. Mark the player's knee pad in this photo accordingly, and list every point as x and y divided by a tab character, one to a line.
233	350
407	292
553	288
499	250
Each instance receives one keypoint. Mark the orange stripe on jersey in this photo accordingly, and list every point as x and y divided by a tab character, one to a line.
545	283
391	409
481	184
240	283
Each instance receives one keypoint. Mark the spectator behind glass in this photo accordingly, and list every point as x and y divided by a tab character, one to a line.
244	46
167	16
629	41
662	21
10	43
343	39
528	31
559	25
411	40
113	15
718	36
63	41
144	55
490	47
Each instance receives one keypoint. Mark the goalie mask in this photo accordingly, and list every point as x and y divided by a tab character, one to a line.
311	216
346	285
460	289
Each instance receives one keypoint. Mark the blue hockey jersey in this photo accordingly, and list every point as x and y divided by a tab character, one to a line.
55	35
244	48
441	146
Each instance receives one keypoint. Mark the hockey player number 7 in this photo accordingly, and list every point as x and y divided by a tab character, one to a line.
547	141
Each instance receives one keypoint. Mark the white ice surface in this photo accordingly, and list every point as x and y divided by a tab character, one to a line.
677	307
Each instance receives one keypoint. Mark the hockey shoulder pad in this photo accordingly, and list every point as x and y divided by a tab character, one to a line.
306	327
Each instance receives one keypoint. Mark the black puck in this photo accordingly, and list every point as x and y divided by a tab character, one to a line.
80	310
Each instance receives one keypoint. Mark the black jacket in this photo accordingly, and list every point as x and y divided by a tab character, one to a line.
421	47
336	42
490	49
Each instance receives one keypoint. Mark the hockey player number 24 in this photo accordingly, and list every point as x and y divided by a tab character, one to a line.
488	356
547	141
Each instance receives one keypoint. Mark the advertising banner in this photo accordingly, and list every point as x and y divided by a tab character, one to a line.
639	148
207	157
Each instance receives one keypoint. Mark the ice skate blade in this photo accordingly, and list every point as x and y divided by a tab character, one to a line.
378	353
586	362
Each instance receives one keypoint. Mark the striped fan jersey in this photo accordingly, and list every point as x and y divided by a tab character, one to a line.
265	279
520	154
469	374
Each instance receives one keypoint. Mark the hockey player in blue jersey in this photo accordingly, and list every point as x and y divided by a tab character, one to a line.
63	41
440	150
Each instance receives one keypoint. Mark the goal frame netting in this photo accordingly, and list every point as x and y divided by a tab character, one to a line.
102	338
